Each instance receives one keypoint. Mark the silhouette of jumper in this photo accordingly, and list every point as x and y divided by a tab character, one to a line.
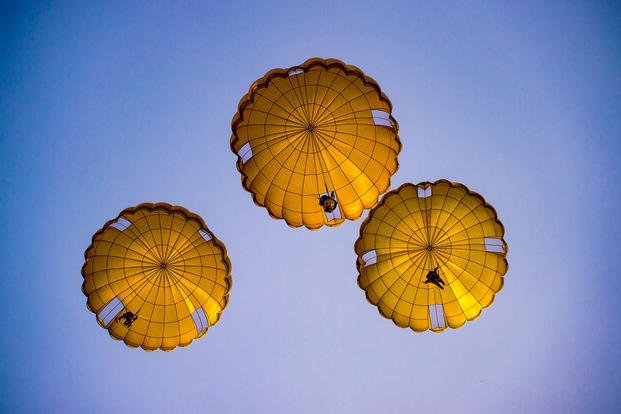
328	202
127	318
434	277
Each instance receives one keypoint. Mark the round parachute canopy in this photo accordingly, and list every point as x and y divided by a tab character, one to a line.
316	143
156	277
431	256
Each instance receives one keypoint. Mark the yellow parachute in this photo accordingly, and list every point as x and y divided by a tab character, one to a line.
431	256
156	277
316	143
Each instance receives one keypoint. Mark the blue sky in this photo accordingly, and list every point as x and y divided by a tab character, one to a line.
104	106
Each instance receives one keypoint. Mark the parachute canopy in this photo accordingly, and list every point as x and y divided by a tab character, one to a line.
431	256
316	143
156	277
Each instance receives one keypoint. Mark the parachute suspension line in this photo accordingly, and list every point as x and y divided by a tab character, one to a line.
129	317
325	174
429	258
328	200
181	288
185	290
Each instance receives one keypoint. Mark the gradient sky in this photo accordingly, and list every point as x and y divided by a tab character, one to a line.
104	106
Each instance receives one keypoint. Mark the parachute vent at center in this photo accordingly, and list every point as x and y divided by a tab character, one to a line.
320	127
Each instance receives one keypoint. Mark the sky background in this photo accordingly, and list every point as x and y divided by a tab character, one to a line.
107	105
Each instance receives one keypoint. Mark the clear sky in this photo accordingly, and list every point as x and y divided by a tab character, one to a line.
104	106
